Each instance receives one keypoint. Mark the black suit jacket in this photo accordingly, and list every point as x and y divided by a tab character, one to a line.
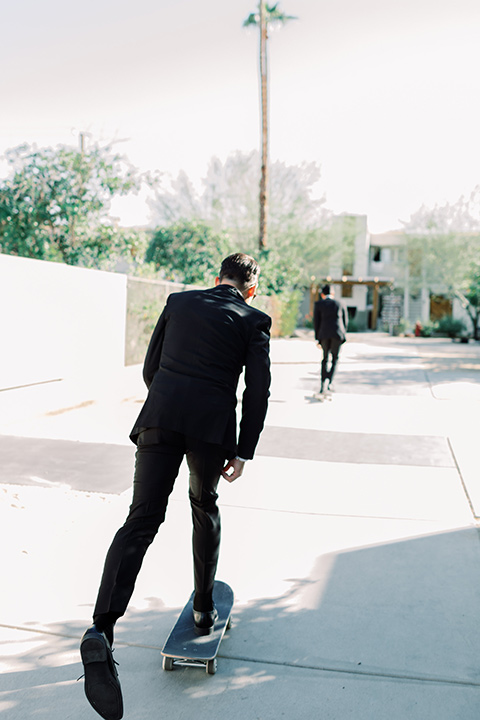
198	349
330	319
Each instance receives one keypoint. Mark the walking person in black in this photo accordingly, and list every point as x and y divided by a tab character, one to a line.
201	343
330	324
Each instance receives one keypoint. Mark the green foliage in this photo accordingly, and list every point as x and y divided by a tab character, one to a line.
283	308
228	203
54	204
290	303
401	327
438	260
308	321
442	244
427	330
123	251
473	290
144	303
223	219
189	251
337	254
443	250
449	326
273	16
472	298
279	271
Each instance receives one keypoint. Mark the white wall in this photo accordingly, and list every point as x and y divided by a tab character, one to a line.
57	320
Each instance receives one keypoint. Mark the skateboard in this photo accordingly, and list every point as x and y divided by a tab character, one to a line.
324	397
185	648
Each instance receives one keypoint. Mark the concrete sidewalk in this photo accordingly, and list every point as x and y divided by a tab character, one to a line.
351	543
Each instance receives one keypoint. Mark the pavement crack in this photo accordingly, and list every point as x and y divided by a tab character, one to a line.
464	485
408	677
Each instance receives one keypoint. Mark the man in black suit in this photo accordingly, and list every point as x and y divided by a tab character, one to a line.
202	341
330	323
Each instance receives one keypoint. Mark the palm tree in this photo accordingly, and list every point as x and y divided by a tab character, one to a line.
266	16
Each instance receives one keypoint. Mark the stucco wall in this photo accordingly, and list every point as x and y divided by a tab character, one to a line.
57	320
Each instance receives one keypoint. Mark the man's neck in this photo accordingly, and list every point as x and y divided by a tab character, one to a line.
229	282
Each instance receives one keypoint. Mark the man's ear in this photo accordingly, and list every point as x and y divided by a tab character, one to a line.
217	281
252	291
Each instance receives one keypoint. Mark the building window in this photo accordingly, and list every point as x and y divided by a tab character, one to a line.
347	290
376	254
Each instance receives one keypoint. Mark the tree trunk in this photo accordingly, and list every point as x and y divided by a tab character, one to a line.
262	241
474	315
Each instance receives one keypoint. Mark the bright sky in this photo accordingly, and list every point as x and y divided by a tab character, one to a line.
383	94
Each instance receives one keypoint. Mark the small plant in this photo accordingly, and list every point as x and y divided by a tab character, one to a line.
427	330
308	321
401	327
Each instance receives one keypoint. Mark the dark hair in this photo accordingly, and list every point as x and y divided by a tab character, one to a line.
241	269
326	290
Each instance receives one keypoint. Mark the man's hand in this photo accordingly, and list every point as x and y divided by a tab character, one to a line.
233	469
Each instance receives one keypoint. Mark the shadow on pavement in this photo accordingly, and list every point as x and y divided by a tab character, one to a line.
329	446
93	467
388	627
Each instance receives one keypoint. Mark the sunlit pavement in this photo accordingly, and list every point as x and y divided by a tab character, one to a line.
351	543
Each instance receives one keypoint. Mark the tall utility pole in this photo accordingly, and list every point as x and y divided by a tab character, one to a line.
266	15
262	239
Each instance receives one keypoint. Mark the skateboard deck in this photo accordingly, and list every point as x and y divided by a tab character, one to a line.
184	647
323	397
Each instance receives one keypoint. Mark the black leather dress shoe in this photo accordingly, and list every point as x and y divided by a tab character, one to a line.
204	621
102	686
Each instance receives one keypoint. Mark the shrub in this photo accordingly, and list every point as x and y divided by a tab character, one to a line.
427	330
308	321
283	309
450	327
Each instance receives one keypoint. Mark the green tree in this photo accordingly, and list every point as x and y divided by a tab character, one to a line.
472	299
188	251
226	209
266	17
54	205
442	244
300	240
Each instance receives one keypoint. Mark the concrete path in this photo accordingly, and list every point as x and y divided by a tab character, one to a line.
351	543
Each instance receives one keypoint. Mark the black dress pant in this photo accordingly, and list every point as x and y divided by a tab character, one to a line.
330	346
158	458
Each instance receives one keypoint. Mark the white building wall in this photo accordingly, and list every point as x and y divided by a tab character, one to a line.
360	266
57	320
362	244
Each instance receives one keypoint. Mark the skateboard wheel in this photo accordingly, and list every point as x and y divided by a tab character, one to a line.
167	663
212	666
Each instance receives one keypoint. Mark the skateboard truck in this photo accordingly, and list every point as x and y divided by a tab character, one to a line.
184	648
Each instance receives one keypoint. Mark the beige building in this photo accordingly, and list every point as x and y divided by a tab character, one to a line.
371	275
